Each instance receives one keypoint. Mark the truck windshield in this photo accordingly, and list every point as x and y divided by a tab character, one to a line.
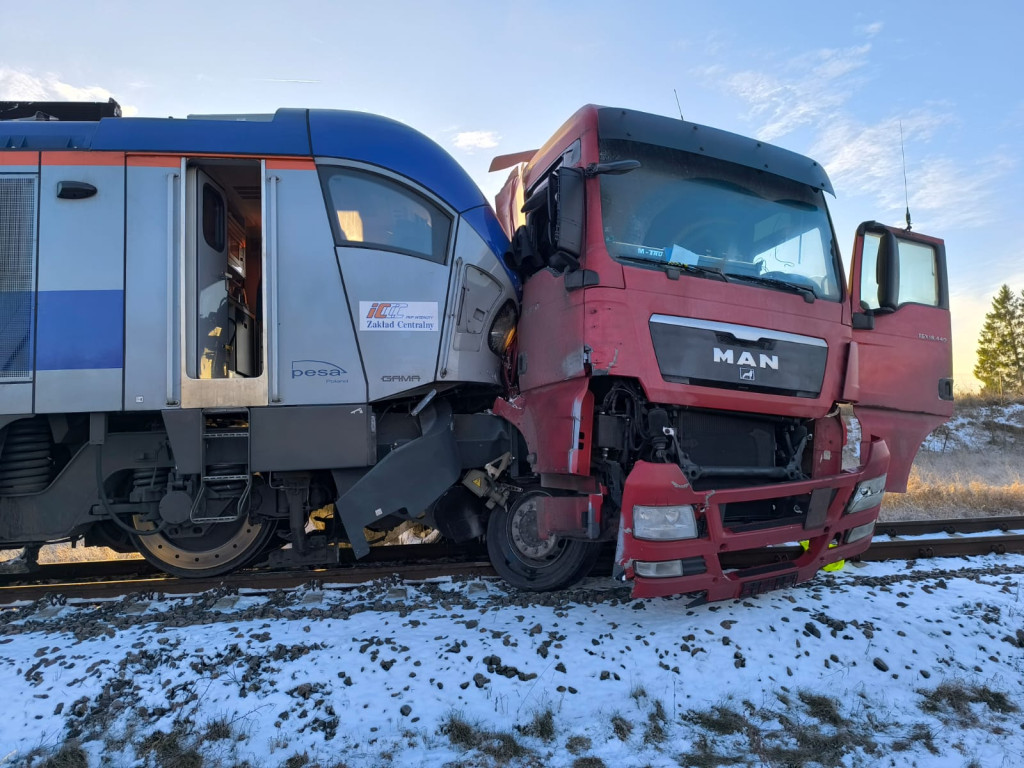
719	220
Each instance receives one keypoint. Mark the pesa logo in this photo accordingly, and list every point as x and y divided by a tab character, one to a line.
318	369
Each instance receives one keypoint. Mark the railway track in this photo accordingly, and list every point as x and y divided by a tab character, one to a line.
61	583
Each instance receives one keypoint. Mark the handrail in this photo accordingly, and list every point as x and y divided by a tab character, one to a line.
272	321
173	362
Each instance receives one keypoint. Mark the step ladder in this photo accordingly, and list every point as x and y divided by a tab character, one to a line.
224	442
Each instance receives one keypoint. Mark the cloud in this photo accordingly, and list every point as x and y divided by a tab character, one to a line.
471	140
18	85
867	159
810	88
869	156
870	30
813	92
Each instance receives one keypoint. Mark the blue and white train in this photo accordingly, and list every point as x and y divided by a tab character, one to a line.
211	327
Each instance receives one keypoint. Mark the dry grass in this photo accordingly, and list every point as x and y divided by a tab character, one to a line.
502	746
982	478
53	554
952	701
961	484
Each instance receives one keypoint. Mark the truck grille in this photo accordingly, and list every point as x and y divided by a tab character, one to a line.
728	356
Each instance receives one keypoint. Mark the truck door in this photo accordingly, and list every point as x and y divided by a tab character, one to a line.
900	364
393	245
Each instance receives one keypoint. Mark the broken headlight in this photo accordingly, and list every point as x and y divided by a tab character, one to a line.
866	495
503	329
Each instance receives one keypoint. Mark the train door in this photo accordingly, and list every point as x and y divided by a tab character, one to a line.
19	184
223	277
394	243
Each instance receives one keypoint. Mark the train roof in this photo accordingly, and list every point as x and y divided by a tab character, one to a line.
348	135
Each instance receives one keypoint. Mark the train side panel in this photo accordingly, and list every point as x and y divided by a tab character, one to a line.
319	358
80	315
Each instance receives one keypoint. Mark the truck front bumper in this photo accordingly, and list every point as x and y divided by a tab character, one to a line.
826	527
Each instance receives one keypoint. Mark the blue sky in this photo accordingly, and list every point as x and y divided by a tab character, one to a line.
485	79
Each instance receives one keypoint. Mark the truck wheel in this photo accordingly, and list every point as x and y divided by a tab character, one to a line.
528	562
219	549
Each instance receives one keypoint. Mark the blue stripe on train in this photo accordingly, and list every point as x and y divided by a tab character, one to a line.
78	330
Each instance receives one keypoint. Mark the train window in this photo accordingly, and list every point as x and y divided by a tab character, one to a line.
213	218
371	211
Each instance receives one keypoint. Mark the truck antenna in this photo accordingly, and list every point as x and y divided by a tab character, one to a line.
678	106
906	192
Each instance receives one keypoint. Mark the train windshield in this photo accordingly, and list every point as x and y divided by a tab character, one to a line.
719	220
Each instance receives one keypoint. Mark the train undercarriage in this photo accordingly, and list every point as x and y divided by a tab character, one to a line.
192	493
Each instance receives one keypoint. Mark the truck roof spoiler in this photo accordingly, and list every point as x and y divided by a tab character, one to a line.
72	111
501	162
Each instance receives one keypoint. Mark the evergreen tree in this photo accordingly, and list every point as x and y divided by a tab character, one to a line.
1000	367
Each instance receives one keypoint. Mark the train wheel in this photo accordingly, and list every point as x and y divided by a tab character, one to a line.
206	550
528	562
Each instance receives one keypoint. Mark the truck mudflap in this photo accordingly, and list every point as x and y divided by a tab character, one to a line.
695	564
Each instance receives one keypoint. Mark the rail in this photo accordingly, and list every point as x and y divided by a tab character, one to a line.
73	582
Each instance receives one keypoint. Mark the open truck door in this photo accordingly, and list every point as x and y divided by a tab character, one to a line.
900	366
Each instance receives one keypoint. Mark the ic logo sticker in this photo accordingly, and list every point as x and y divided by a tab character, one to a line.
385	310
398	316
320	370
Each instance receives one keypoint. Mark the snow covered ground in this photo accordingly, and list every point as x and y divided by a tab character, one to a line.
882	664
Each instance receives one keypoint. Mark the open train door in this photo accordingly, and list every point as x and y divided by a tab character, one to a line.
900	366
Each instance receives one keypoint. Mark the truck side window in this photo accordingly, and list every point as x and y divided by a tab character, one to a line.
919	280
869	272
917	267
372	211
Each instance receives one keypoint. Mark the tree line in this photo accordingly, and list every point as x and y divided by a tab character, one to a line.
1000	367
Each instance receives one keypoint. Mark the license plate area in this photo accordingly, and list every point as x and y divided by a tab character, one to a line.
760	586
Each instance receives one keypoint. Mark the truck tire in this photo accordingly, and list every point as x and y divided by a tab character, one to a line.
527	562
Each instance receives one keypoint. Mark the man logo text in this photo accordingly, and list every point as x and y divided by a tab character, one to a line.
747	359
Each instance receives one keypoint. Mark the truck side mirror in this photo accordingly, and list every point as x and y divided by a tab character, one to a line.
553	234
887	273
569	215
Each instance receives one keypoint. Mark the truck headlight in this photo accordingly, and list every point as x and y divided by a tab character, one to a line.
664	523
503	329
659	570
866	495
858	533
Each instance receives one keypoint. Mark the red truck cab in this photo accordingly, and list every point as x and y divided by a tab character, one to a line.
686	339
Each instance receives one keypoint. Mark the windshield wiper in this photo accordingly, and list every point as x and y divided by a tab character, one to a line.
774	282
669	267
